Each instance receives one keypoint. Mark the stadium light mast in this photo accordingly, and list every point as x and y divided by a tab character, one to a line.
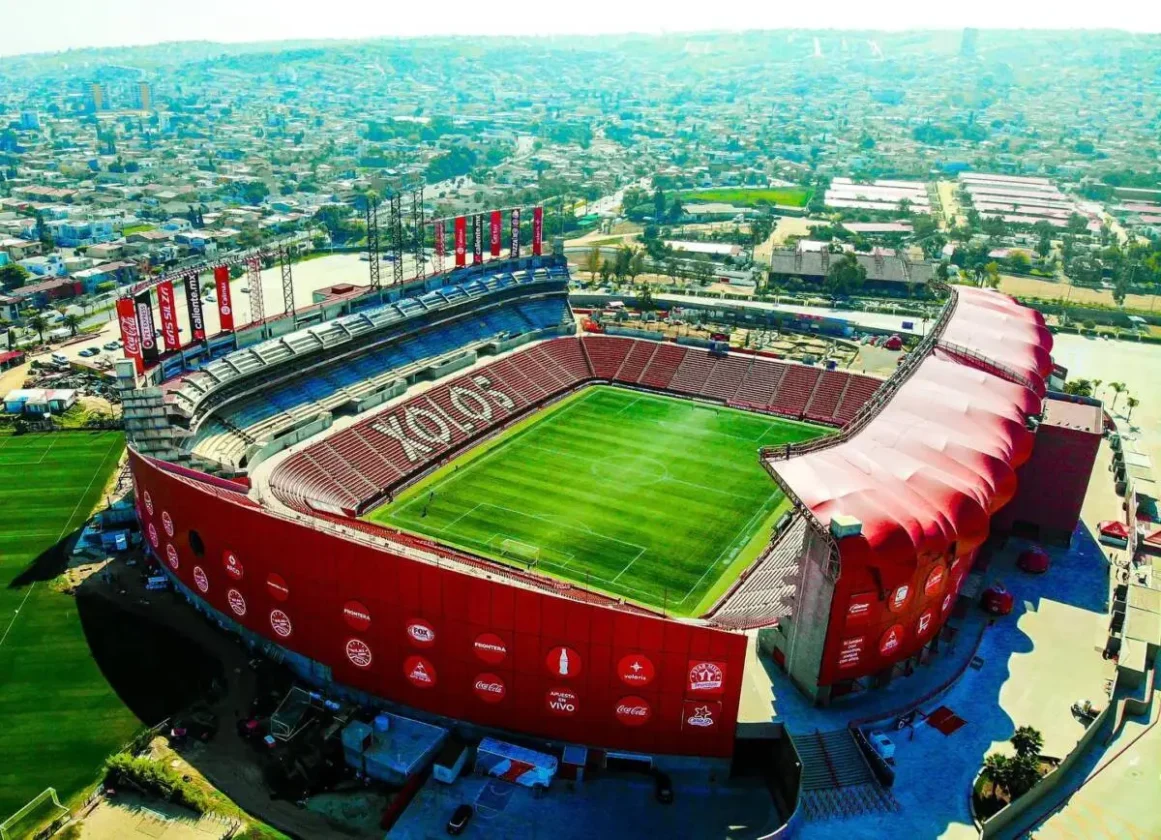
287	284
371	208
417	226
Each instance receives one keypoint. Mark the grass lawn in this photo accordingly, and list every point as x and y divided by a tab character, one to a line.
128	230
655	499
741	197
60	717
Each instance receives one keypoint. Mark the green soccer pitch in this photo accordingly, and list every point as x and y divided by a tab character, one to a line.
658	500
60	717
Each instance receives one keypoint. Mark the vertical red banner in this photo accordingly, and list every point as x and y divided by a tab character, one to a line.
514	253
193	305
225	305
440	246
461	241
477	238
167	304
146	329
537	230
130	334
496	232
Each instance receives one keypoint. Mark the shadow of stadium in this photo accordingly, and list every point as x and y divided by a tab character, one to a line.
48	564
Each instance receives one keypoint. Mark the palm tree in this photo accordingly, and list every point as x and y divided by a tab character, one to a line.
1117	388
1132	402
73	322
1027	741
996	770
1096	386
37	323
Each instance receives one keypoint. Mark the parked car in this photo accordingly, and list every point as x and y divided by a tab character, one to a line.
662	787
89	351
112	345
459	820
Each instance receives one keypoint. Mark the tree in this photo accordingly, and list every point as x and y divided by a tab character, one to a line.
672	268
38	325
1044	246
1117	388
992	275
591	262
13	275
645	298
607	270
703	269
1027	741
1078	388
996	770
1132	402
623	257
1077	223
845	276
73	322
636	264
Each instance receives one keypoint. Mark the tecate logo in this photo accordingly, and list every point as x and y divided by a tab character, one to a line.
236	601
200	579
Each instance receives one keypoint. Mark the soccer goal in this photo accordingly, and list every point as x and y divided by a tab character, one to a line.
522	551
41	811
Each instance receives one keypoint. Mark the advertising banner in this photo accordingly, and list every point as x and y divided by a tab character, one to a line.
193	306
861	608
496	232
168	306
143	302
130	334
461	238
851	652
515	252
477	239
537	230
225	305
440	246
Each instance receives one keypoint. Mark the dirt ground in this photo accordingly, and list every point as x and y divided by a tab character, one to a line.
130	816
1033	287
13	378
787	226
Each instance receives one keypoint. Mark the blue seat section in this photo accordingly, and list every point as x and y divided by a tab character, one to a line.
514	318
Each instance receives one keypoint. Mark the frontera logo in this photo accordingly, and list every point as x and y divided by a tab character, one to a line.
700	717
706	677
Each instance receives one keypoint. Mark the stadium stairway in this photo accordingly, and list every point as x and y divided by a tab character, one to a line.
836	779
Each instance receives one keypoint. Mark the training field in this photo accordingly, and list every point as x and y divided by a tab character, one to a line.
742	197
655	499
58	716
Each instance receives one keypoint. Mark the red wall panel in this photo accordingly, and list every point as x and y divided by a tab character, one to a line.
319	574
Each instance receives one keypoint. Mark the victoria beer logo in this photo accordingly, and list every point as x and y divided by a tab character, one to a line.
280	623
237	602
200	580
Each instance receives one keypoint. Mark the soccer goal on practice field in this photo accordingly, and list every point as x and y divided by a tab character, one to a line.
41	811
525	552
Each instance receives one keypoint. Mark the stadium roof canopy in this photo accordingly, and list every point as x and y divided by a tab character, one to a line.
940	457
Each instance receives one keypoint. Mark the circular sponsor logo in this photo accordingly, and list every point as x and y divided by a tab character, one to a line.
419	671
356	615
890	641
490	688
224	308
200	580
633	711
562	702
935	579
167	522
635	670
359	652
232	564
280	623
490	648
563	662
237	602
171	556
149	503
926	622
421	632
705	677
899	598
154	540
276	586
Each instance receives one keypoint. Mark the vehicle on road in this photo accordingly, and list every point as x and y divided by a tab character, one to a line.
112	345
89	351
459	820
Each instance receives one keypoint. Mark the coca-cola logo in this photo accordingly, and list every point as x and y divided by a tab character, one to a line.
167	523
280	623
276	587
890	641
899	598
706	677
359	653
200	580
237	602
421	633
171	556
232	565
934	581
356	615
490	648
636	670
633	711
490	688
419	672
154	540
563	662
562	702
149	503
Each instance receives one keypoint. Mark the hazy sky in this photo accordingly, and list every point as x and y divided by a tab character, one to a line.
28	27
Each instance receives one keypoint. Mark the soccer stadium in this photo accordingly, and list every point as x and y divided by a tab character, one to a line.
445	496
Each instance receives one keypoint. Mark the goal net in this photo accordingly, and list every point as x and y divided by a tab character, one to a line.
522	551
41	811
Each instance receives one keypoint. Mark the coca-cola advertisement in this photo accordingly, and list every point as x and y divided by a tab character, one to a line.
515	251
537	230
461	241
490	688
477	239
130	333
225	305
633	711
563	662
495	233
193	306
166	303
143	302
